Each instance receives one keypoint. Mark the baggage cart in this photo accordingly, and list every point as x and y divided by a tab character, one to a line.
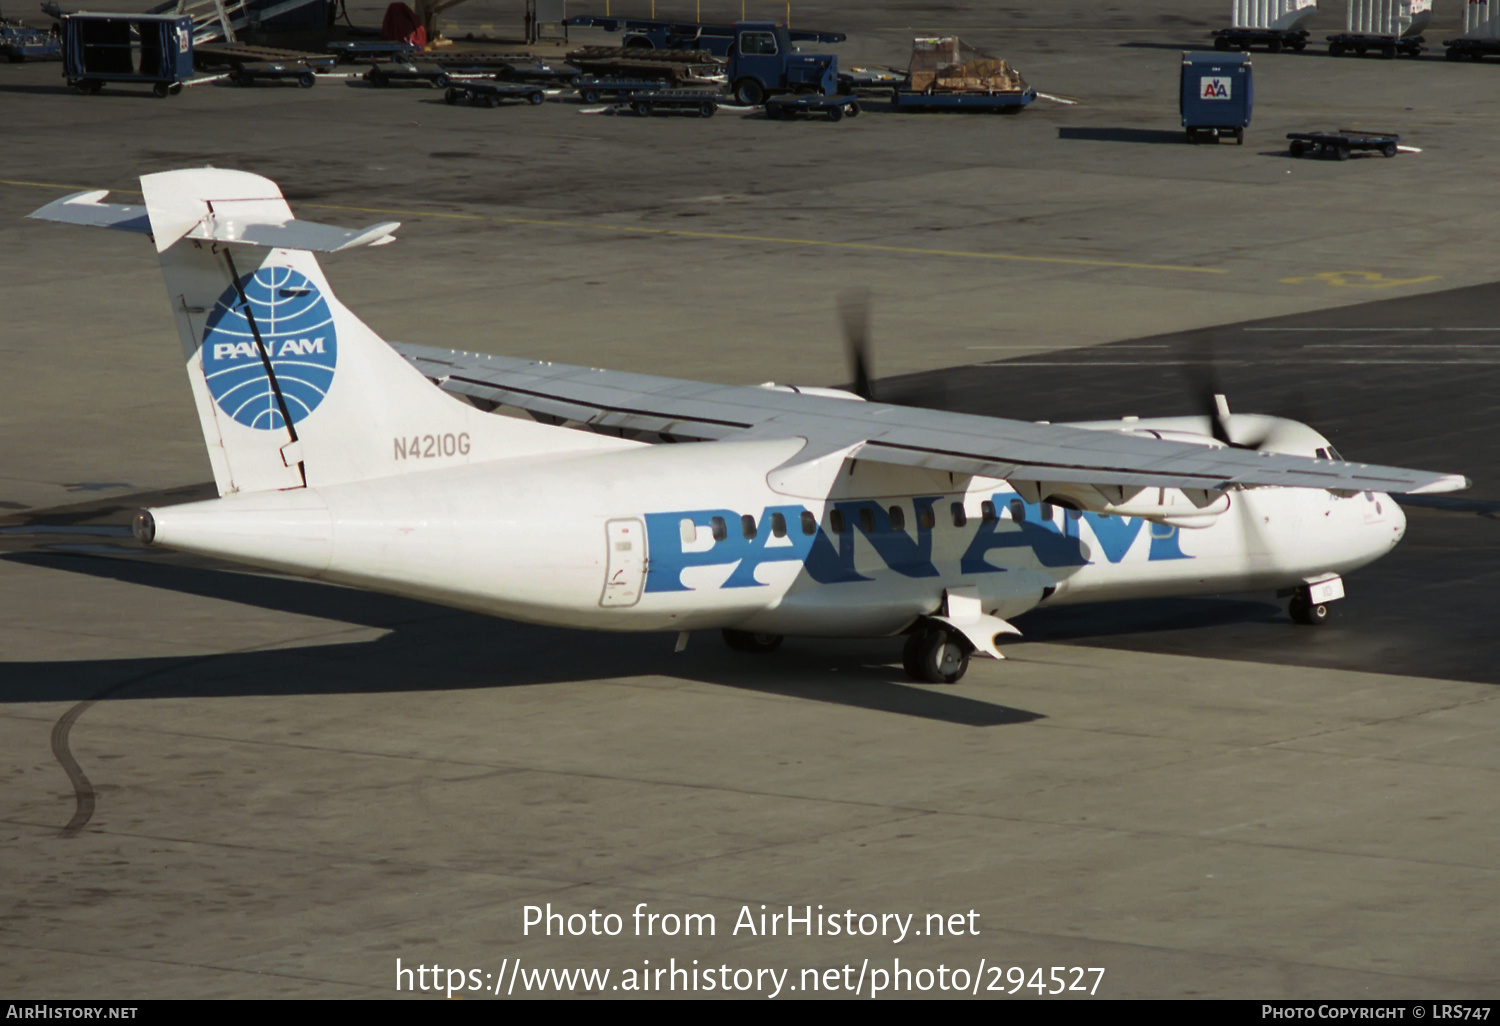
1481	35
1386	27
1274	24
592	90
1273	40
1340	144
492	94
999	103
945	73
791	105
383	74
219	54
1216	96
154	49
348	51
685	101
274	71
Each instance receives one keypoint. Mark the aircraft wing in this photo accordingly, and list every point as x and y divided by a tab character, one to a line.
1012	450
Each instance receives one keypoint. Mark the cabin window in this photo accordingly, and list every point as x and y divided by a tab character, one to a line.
720	529
836	521
960	517
898	518
1017	510
747	525
757	44
689	531
1046	512
927	518
778	525
987	512
1075	514
809	523
867	520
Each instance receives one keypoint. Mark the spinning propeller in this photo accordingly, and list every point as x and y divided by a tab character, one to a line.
854	314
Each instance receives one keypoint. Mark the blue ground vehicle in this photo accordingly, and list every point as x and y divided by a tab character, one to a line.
651	34
763	63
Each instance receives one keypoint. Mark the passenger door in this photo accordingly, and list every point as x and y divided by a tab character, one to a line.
625	563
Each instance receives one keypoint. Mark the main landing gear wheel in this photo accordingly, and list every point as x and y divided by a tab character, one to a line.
751	641
935	655
1307	612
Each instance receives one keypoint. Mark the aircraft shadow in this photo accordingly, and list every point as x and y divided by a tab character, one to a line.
475	652
1140	616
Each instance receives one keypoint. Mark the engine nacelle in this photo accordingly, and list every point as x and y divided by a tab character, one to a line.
819	390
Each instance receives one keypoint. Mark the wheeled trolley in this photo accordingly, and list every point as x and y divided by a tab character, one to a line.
1010	102
791	105
349	51
492	94
274	71
685	101
1273	40
1388	47
1339	145
1473	49
592	90
385	74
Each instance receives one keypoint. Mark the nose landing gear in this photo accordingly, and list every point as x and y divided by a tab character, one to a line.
1309	605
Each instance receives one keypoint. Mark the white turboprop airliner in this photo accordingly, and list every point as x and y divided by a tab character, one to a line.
780	510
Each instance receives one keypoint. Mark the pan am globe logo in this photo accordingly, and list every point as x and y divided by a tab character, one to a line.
297	328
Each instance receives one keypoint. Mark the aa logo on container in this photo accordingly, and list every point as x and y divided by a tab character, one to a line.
1216	89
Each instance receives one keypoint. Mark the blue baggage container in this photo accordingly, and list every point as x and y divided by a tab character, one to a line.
155	49
1217	96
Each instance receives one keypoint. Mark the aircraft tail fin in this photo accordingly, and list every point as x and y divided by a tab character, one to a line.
292	388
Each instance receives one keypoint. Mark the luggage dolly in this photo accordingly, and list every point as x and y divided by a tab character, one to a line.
701	103
490	94
1274	40
1340	144
1474	49
382	75
792	104
1389	46
592	90
274	71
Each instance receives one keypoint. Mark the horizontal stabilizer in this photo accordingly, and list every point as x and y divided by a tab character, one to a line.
85	208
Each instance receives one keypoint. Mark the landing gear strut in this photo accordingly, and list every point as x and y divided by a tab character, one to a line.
750	641
935	655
